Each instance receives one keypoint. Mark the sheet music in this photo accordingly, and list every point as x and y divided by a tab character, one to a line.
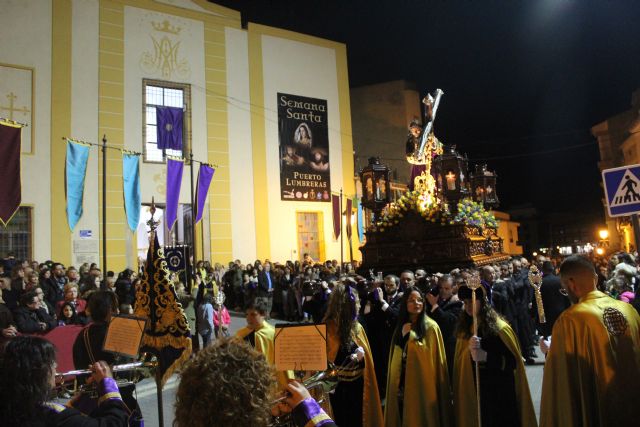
124	335
302	347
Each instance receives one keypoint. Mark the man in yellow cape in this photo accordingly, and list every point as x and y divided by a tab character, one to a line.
464	388
263	339
427	401
592	371
371	405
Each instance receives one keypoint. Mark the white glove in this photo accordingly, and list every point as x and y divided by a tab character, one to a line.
358	355
545	345
477	353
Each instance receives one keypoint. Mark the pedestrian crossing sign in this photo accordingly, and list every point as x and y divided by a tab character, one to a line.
622	189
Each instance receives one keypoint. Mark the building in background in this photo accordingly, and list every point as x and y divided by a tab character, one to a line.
88	68
381	114
618	140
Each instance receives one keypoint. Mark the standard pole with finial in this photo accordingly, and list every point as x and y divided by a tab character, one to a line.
104	206
474	283
153	225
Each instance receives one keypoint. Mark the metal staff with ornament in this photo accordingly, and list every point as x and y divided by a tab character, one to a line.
535	278
474	283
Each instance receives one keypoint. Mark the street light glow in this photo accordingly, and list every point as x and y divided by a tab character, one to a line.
600	251
604	234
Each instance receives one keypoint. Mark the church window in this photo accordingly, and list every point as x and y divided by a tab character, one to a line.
167	94
17	236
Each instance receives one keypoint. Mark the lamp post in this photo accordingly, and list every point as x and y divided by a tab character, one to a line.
451	176
376	188
483	187
603	234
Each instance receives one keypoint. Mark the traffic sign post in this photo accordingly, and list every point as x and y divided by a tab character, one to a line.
622	191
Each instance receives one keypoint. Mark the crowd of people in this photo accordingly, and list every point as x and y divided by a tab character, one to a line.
412	349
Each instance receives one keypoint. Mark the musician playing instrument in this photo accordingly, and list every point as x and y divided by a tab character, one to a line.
418	391
27	379
88	349
355	401
261	335
231	384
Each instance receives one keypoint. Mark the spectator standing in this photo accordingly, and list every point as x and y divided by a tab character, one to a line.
266	286
380	317
444	307
553	300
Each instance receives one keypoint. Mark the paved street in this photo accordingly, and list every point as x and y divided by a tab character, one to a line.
148	400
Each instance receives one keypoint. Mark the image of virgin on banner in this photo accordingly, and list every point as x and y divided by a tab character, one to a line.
304	149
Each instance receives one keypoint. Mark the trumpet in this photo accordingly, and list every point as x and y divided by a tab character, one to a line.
90	389
319	384
116	368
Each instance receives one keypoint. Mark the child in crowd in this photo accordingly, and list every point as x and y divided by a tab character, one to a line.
205	319
68	315
226	321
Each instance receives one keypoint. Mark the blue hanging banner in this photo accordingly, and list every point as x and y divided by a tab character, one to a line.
75	170
131	188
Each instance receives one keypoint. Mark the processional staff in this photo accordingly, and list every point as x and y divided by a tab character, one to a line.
474	283
535	278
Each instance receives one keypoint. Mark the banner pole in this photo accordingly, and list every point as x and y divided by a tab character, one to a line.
341	236
104	210
193	228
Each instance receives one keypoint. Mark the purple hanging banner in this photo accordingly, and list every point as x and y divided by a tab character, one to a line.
337	220
169	126
205	174
174	181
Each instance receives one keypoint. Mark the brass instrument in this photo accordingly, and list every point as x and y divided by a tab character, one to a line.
116	368
319	384
90	389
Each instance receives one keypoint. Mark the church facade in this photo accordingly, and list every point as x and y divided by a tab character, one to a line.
85	69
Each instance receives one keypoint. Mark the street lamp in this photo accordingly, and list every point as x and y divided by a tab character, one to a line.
603	233
376	188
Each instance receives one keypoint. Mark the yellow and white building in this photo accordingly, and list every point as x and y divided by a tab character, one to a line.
88	68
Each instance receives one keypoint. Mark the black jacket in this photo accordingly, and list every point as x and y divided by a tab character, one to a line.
553	303
28	321
52	291
379	326
446	316
263	284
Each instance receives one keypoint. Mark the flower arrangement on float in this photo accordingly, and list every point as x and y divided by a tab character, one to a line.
429	207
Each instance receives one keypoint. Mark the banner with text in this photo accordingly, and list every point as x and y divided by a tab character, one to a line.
304	149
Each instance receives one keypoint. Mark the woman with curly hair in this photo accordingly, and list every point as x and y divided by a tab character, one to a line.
505	399
356	401
231	384
418	391
27	377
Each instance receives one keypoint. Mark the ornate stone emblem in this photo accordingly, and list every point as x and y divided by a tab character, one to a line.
165	58
615	321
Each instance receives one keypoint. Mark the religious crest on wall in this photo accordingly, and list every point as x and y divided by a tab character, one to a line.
16	100
165	59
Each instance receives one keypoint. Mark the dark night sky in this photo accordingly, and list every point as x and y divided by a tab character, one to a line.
524	81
